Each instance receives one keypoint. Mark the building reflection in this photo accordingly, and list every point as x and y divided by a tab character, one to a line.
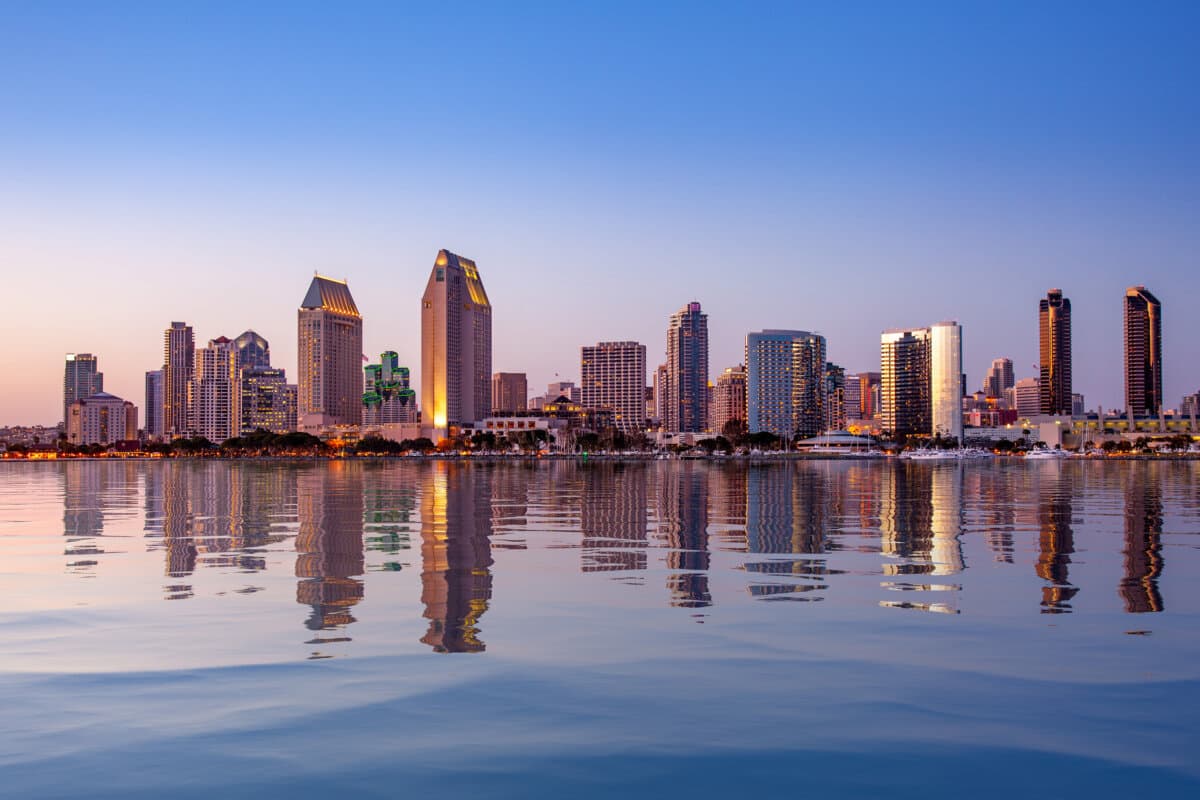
681	501
456	554
613	516
92	493
1143	548
921	521
329	542
1056	537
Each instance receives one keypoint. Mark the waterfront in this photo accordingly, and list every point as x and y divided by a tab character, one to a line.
338	627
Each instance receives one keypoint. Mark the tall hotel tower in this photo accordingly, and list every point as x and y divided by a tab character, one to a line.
456	345
945	379
1054	332
785	383
330	356
613	375
1143	352
905	403
687	371
179	361
80	381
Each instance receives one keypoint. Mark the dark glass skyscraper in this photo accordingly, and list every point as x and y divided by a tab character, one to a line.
687	371
1143	352
1054	332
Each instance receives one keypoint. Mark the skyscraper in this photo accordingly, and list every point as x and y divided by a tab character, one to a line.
213	395
267	401
835	397
729	398
80	380
785	382
509	391
1054	331
252	351
456	344
329	355
154	403
687	371
179	359
905	363
1143	352
946	381
1027	397
613	376
999	378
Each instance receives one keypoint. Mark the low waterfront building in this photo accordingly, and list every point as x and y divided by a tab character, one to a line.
101	419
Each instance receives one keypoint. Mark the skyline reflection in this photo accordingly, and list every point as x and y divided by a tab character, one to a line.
794	531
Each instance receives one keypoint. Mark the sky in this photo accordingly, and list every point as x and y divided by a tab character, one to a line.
838	167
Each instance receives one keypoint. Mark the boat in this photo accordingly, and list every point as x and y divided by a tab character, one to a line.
1046	454
930	454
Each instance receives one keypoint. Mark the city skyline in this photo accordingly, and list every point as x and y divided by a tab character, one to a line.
965	184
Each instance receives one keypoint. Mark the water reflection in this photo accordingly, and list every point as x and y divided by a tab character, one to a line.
1143	548
1056	538
456	554
677	530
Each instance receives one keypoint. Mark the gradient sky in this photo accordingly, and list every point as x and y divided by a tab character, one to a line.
840	167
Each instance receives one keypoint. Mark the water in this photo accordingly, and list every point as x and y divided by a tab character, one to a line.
238	629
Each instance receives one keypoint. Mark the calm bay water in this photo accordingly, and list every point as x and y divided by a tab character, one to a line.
225	629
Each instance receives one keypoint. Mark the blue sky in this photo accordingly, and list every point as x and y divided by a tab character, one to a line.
840	167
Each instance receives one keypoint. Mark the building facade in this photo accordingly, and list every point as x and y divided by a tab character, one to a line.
101	419
252	351
729	398
267	401
1054	336
81	379
906	406
999	378
456	344
946	380
510	392
214	393
613	376
687	371
387	397
785	383
1027	397
1143	353
329	356
154	404
835	397
179	360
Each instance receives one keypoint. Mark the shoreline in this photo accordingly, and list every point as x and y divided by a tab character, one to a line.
579	457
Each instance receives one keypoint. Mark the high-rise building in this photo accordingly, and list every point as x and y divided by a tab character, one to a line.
101	419
1143	352
80	380
862	395
687	371
999	377
1078	406
213	395
785	383
729	398
267	401
387	398
252	351
566	389
946	379
154	404
1054	332
509	392
179	359
835	397
329	355
456	344
1027	397
613	376
1189	406
905	389
661	388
